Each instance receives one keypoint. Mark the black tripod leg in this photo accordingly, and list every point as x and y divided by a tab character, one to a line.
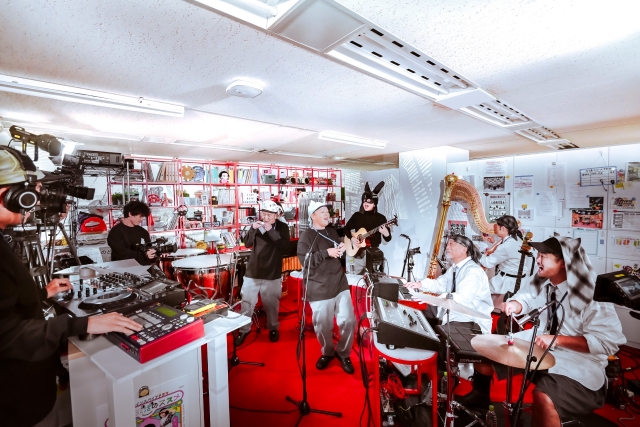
234	360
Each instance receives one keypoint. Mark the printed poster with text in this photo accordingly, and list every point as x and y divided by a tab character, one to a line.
163	406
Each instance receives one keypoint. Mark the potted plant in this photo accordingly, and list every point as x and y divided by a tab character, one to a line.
185	193
116	198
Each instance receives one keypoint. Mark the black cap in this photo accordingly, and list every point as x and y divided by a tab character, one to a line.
549	246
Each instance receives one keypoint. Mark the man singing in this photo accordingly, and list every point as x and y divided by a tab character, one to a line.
327	287
269	242
368	218
591	332
125	235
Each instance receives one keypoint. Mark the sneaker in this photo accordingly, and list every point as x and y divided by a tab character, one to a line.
323	362
346	365
240	338
274	336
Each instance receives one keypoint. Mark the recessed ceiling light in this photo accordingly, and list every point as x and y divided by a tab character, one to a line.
244	89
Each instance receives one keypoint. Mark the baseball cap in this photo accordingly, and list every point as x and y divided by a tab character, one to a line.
314	206
16	167
549	246
270	206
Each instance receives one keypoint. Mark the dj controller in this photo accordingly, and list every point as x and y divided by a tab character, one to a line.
117	291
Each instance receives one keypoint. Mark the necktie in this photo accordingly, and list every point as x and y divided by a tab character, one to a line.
453	286
554	320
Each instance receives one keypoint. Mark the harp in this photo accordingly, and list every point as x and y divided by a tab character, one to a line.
457	190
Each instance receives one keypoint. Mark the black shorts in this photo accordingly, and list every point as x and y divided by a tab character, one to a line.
569	396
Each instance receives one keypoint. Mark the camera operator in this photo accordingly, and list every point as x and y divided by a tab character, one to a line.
125	235
29	344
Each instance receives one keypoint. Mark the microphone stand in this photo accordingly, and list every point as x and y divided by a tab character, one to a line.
234	360
303	405
406	259
517	409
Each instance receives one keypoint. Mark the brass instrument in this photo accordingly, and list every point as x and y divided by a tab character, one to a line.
461	191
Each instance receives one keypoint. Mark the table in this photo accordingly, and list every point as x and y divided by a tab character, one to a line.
406	356
106	382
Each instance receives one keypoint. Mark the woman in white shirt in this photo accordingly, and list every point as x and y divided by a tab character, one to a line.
505	257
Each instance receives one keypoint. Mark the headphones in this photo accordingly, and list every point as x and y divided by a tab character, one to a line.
21	196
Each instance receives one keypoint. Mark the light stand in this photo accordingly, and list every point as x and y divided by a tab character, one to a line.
303	405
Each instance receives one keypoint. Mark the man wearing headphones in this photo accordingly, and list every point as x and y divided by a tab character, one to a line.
29	344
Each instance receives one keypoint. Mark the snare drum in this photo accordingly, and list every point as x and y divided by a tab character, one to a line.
201	274
167	260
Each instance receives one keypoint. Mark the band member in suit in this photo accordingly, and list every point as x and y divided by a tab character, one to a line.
368	218
327	287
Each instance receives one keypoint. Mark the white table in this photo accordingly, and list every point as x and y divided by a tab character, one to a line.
105	380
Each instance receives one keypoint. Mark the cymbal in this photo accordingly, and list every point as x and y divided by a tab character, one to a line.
451	305
496	348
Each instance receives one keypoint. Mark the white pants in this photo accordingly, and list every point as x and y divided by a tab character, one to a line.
324	312
270	291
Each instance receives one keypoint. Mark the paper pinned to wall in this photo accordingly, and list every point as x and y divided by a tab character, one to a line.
555	177
523	185
577	196
547	203
495	167
589	240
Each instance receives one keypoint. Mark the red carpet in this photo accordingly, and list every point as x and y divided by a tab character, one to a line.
253	389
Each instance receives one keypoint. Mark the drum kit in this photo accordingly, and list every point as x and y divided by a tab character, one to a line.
507	350
211	276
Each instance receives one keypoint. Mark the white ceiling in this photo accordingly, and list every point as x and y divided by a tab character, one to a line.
571	66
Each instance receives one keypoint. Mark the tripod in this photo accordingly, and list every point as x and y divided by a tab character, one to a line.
234	360
303	405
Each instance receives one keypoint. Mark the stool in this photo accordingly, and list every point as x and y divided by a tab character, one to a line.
427	362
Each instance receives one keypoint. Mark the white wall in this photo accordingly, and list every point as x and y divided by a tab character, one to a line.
412	192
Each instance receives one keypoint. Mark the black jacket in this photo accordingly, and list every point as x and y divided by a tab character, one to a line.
368	221
29	344
326	276
267	251
122	241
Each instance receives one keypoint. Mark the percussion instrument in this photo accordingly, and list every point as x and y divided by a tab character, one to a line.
498	349
167	260
202	274
450	304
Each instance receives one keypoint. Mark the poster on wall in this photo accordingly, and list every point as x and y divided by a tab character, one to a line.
496	206
626	220
523	185
495	167
586	218
623	203
588	240
164	408
493	183
633	171
596	203
526	214
555	176
457	227
628	245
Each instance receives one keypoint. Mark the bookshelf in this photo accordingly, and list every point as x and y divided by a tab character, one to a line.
218	196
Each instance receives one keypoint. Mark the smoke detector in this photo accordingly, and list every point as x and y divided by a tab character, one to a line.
244	89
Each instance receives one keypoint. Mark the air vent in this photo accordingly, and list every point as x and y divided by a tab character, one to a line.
382	54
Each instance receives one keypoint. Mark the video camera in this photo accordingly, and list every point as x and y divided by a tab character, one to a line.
160	245
66	181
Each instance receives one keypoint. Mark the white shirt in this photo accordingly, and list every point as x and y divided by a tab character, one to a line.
472	291
598	323
507	258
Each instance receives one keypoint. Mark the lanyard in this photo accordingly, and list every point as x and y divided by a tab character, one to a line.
335	244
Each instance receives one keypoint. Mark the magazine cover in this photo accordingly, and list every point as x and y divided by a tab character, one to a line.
164	409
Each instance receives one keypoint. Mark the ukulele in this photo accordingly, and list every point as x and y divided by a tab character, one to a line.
362	234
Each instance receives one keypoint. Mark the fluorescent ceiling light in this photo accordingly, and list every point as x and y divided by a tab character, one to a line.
352	140
287	153
59	130
214	146
86	96
254	12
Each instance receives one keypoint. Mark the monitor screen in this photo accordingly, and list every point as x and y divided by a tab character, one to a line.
630	285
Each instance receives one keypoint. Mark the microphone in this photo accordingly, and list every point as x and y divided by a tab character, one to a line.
535	313
405	236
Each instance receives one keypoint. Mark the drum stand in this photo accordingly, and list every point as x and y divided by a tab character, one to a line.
452	405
